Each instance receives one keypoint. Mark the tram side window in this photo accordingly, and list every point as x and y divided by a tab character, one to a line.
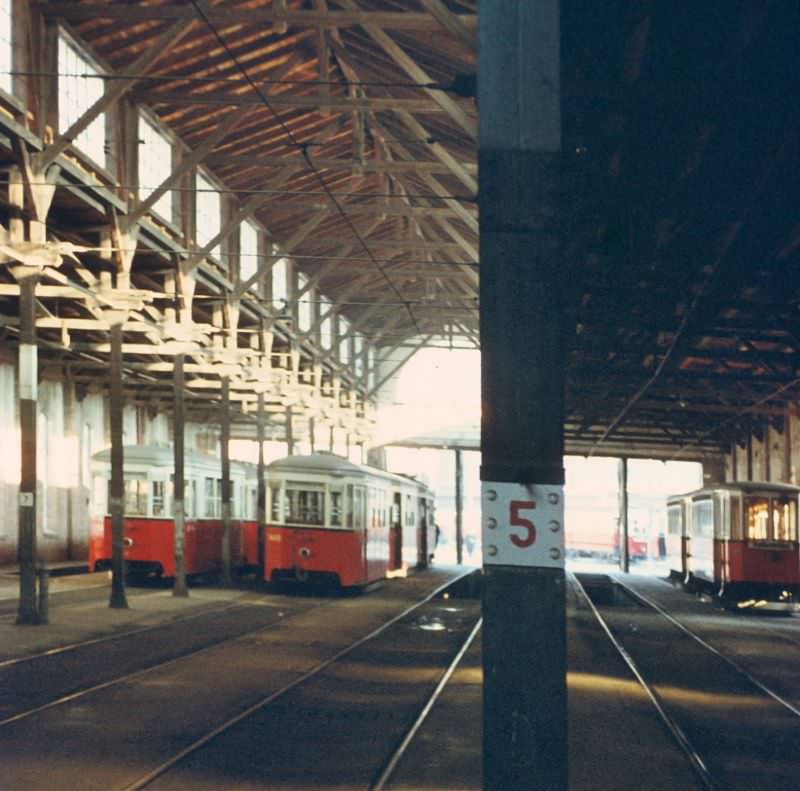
159	498
305	506
756	518
213	496
336	507
359	501
674	520
135	497
784	519
703	519
275	503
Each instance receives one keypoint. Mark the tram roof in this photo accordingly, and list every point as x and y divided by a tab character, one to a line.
680	159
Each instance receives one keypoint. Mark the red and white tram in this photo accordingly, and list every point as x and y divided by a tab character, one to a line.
332	520
738	539
149	526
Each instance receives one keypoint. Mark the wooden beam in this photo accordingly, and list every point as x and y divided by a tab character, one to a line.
452	108
118	88
301	102
391	20
368	165
452	23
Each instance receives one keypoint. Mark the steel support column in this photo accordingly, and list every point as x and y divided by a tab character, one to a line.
622	490
225	442
522	438
27	612
179	588
118	599
459	506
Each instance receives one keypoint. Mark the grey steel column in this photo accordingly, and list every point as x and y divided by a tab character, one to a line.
261	496
179	507
27	613
622	477
118	598
312	434
522	439
225	436
459	507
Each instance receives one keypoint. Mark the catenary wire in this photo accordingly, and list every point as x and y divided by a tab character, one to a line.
304	151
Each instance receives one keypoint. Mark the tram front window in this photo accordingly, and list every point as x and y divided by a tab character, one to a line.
784	519
756	518
305	506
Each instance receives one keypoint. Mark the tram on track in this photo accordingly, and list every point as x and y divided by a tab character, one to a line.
149	526
737	540
349	524
329	520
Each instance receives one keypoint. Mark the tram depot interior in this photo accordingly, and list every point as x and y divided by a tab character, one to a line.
268	207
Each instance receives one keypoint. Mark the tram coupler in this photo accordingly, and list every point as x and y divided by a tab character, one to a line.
43	615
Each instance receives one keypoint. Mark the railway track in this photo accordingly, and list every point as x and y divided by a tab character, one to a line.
736	730
155	727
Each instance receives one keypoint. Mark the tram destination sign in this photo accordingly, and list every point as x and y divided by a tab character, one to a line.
522	524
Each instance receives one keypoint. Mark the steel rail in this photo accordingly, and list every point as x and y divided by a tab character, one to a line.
398	754
66	647
142	671
675	730
642	599
164	767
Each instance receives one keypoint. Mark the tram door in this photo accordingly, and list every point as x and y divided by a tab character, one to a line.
396	533
422	533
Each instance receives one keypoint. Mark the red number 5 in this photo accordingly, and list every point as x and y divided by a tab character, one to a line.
518	521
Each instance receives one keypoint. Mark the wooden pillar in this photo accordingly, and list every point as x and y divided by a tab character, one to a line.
27	612
622	477
225	435
179	588
289	431
522	386
312	433
118	598
459	506
261	496
749	453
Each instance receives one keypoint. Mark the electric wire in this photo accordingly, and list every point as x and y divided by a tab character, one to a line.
304	152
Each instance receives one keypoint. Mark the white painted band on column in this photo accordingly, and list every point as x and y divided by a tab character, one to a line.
28	371
522	524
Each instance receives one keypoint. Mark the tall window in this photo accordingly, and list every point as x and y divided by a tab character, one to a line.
370	367
280	284
326	325
79	87
155	164
358	354
209	213
6	46
248	252
344	343
303	305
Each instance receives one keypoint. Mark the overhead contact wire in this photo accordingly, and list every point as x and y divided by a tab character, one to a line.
303	149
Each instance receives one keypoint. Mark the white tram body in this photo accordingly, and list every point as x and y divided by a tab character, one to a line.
332	520
738	539
149	523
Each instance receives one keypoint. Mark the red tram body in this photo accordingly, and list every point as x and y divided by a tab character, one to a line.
149	526
739	540
332	520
